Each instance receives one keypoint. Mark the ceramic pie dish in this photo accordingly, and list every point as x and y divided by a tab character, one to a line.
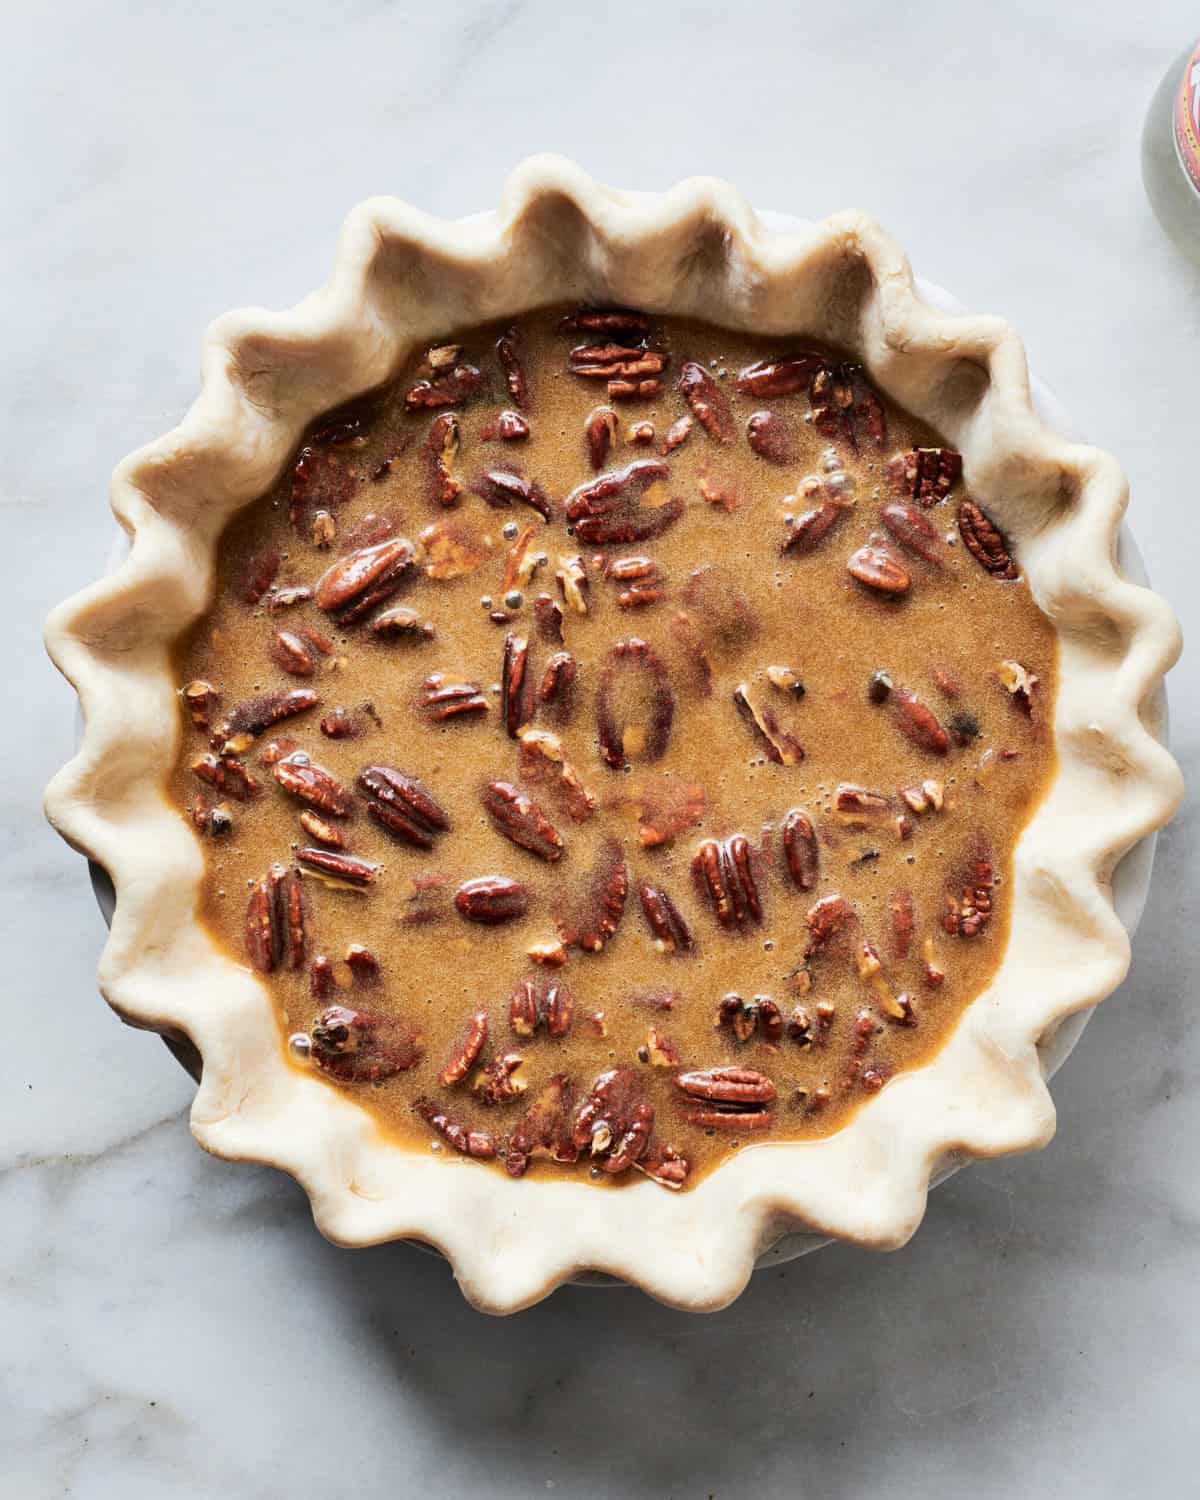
400	282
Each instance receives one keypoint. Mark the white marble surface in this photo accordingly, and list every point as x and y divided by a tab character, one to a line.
172	1325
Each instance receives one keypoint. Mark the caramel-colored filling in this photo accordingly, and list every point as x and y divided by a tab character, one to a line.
722	680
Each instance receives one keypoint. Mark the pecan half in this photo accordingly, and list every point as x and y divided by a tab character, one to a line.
918	723
444	697
670	932
450	387
926	475
544	1129
800	850
354	585
768	436
594	915
498	1082
727	1096
623	505
464	1138
311	783
782	376
985	541
402	806
508	352
877	569
491	900
617	363
635	707
324	833
915	532
709	403
356	1046
521	820
504	487
441	453
256	714
341	871
612	321
516	684
777	744
615	1121
725	872
274	927
538	1001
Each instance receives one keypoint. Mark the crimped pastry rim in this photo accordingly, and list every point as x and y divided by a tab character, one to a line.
696	249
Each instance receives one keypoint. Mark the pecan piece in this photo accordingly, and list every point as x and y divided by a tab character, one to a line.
903	921
782	376
829	917
800	850
614	1121
256	714
521	562
877	569
501	487
516	684
677	434
926	475
709	403
453	548
573	585
969	906
274	928
340	725
356	1046
666	807
464	1138
491	900
694	652
768	436
915	532
444	697
670	932
441	452
811	528
288	651
844	403
985	541
540	751
623	505
401	624
1019	682
600	432
321	481
537	1001
341	871
288	598
498	1082
777	744
256	575
355	584
595	915
311	783
324	833
664	1165
508	352
918	723
725	872
505	427
521	820
544	1129
200	698
402	806
449	387
558	679
859	804
635	706
227	775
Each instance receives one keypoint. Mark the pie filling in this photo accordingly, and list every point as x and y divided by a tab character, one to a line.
608	744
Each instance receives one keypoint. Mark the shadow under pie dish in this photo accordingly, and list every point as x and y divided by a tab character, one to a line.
771	798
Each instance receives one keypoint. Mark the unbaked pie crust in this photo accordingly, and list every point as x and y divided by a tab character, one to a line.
400	279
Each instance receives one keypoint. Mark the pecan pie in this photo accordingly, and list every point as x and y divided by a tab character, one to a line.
610	698
609	741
